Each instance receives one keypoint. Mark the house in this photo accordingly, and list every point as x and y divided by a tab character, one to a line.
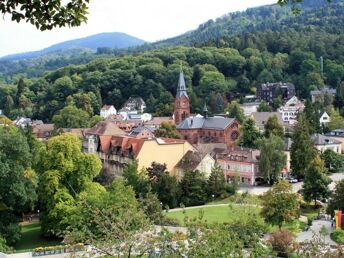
22	122
135	103
107	110
157	121
250	107
241	162
269	91
337	134
323	143
91	136
318	95
262	117
42	131
290	110
117	151
194	160
140	117
324	118
142	132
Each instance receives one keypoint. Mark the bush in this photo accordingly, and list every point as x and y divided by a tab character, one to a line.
338	236
165	221
282	242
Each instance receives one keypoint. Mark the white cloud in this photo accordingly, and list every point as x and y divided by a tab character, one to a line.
149	20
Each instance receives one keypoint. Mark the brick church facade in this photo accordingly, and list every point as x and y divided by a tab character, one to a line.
202	129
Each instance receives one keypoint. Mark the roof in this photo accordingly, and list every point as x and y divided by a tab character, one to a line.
190	160
120	144
265	86
80	132
163	140
206	123
324	90
262	117
43	130
319	139
240	154
134	101
156	121
139	129
336	133
107	107
105	128
181	90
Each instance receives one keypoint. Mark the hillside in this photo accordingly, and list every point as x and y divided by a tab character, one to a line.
111	40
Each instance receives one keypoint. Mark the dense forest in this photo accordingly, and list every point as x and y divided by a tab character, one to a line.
232	55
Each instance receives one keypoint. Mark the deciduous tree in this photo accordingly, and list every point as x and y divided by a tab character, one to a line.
273	127
167	130
250	135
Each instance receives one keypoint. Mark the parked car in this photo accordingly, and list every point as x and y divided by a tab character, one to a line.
292	180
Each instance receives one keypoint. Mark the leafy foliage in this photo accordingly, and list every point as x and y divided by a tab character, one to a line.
193	186
250	135
167	130
280	204
337	198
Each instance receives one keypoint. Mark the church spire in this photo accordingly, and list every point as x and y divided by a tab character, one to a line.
205	111
181	90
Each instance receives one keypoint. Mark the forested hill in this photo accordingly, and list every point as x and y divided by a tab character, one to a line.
315	16
110	40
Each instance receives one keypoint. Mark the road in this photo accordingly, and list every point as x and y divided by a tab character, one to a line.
258	190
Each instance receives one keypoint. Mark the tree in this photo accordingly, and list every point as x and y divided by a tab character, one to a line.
337	198
333	161
8	105
46	15
250	135
315	184
302	150
280	204
235	111
216	184
193	187
311	113
264	107
110	220
272	158
168	190
20	90
66	172
156	170
336	120
71	117
18	194
136	179
167	130
152	207
272	127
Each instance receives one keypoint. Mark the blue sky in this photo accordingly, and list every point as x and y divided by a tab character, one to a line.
149	20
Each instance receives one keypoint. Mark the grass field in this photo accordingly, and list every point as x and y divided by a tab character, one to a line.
220	214
31	238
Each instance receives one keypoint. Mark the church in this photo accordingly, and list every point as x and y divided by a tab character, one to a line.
202	129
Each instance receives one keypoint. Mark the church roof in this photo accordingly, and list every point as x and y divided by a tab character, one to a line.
205	123
181	90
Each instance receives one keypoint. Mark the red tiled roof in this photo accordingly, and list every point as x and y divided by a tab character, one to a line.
159	120
105	128
172	140
42	130
124	143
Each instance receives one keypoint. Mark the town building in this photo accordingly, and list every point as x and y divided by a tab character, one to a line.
319	95
22	122
250	107
269	91
157	121
135	103
142	132
206	129
194	160
323	143
262	117
181	102
91	136
42	131
324	118
107	110
239	162
290	110
117	151
337	134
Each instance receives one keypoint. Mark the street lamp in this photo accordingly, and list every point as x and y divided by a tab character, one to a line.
213	196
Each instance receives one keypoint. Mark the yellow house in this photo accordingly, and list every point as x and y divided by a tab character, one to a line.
117	151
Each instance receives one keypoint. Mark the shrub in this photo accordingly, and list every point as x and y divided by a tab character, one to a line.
282	242
338	236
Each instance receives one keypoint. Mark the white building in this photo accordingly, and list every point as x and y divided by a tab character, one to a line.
290	110
250	107
323	143
107	110
324	118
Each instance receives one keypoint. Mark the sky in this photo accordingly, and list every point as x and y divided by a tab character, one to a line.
150	20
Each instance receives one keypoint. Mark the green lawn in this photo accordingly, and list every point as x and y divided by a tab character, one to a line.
218	214
31	238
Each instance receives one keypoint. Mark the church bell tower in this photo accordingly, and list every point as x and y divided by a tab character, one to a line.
181	102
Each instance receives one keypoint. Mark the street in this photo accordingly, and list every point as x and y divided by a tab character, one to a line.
258	190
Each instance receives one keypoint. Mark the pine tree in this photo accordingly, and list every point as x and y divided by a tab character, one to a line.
302	149
8	105
315	184
20	90
250	134
216	182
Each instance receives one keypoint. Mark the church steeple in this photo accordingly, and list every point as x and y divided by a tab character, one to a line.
205	111
181	102
181	90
